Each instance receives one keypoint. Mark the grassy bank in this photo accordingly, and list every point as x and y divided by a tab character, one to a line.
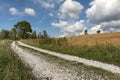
11	67
107	53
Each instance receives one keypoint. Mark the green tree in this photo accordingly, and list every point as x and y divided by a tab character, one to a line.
98	31
86	32
4	34
45	35
33	35
12	34
40	35
23	29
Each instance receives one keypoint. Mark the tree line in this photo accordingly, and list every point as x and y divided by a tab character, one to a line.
22	30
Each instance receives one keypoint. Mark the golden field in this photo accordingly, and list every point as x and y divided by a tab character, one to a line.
93	39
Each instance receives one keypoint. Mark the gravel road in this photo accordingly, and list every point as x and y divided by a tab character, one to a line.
108	67
47	67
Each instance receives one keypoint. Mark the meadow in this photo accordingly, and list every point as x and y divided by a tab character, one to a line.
11	67
100	47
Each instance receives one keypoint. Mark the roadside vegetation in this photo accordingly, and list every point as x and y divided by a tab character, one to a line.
107	53
11	67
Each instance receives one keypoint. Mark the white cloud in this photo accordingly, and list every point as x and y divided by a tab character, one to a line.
94	29
113	26
106	14
70	9
13	11
60	24
70	29
44	4
30	11
103	11
110	26
47	5
51	14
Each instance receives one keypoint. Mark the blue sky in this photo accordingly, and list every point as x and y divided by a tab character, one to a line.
61	17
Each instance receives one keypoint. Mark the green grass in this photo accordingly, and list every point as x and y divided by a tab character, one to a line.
11	67
104	53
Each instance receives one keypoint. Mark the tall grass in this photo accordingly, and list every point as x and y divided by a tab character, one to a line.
105	53
11	67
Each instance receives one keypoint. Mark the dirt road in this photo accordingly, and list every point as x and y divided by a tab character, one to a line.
47	67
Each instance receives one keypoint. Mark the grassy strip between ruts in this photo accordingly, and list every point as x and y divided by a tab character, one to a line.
98	71
105	53
11	67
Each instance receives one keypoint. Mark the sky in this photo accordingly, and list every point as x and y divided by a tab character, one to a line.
62	17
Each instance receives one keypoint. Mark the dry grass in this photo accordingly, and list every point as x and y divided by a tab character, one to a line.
99	47
90	40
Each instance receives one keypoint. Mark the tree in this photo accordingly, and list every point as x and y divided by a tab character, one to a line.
4	34
86	32
98	31
23	29
40	35
33	35
12	34
45	35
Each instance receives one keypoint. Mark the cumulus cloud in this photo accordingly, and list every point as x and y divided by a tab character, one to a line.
103	11
94	29
13	11
44	4
30	11
70	9
60	24
110	26
70	29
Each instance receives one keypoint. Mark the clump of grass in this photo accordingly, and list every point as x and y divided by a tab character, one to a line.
107	53
11	67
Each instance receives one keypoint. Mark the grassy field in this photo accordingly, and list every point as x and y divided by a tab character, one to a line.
11	67
100	47
105	38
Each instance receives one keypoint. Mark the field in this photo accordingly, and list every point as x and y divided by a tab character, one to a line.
106	38
100	47
11	67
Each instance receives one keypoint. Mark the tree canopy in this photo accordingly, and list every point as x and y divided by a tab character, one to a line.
23	29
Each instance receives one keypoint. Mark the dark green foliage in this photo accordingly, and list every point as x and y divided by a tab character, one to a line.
4	34
45	35
33	35
86	32
23	29
12	34
98	31
40	35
